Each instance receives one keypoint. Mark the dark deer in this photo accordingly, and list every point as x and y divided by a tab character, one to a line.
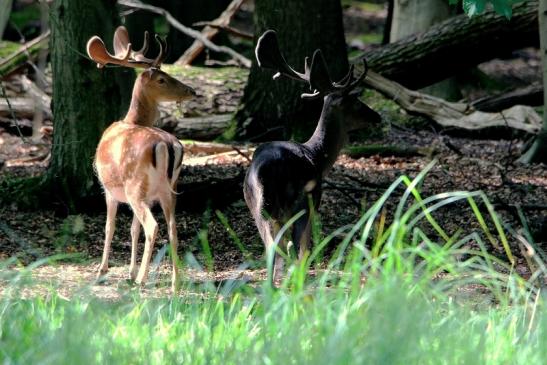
137	163
285	177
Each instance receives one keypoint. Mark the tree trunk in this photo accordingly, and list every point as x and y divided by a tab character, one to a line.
274	109
538	150
85	99
5	5
455	45
416	16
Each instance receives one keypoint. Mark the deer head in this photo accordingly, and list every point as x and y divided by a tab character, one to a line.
341	94
152	85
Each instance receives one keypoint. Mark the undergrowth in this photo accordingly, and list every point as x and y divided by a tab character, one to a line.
407	292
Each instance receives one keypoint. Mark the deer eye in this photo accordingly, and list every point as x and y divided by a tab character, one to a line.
161	81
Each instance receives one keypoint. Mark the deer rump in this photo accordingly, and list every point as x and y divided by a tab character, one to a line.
279	181
141	154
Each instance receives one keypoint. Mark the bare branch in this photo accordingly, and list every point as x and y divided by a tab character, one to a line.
188	31
209	32
226	28
461	115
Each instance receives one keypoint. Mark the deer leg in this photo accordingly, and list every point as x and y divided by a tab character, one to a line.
145	217
111	210
279	261
168	206
135	233
301	235
268	229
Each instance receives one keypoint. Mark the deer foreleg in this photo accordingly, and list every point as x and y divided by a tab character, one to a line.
135	233
111	210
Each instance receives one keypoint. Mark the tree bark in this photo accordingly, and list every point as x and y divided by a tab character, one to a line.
85	99
455	45
274	109
538	150
5	5
416	16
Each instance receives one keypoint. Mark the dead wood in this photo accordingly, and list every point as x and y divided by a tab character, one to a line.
531	95
26	52
227	28
210	148
22	106
213	193
455	45
244	61
204	128
209	32
460	115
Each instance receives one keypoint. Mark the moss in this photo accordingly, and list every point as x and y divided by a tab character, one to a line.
225	74
7	48
370	38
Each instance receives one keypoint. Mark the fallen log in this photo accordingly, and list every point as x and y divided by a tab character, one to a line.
209	148
460	115
209	32
455	45
530	95
213	193
26	52
205	128
22	107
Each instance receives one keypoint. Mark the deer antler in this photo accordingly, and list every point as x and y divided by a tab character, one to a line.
269	56
321	81
124	55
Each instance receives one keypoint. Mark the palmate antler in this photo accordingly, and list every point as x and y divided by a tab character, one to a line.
124	55
317	75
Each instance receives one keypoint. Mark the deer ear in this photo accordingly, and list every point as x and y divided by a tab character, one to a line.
319	74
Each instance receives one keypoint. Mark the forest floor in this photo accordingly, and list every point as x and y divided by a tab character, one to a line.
464	161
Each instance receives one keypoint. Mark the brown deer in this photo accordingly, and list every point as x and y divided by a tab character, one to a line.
284	177
137	163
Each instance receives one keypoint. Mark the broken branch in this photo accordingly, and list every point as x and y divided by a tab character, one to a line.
188	31
460	115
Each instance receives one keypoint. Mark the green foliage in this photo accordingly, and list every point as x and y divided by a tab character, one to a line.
70	235
26	193
404	292
476	7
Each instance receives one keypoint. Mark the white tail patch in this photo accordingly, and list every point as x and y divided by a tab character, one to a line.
310	185
162	157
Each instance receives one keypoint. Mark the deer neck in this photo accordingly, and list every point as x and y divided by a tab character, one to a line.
329	136
143	109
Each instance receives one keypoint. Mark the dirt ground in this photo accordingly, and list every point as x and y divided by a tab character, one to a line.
485	162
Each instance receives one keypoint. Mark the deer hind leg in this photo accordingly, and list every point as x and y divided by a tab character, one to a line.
145	217
135	233
167	203
111	210
301	235
268	230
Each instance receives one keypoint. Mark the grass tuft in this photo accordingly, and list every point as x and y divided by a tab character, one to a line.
398	289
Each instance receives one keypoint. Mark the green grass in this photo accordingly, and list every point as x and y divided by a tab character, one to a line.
390	294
